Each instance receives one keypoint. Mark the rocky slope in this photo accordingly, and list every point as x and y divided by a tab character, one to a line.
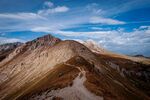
48	68
6	49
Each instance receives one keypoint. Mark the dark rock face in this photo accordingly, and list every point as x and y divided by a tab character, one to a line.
140	77
6	49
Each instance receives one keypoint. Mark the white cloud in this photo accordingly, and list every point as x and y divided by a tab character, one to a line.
96	28
114	36
144	27
46	19
4	40
94	8
116	40
21	16
107	21
58	9
116	8
11	22
48	4
45	29
49	8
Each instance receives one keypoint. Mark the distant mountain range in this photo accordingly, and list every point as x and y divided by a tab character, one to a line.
6	49
49	68
141	56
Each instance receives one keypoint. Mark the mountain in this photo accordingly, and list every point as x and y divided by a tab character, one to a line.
93	46
140	56
48	68
6	49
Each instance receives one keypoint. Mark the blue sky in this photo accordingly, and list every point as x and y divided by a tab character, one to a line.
121	26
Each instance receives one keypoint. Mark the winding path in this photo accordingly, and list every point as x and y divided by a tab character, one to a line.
75	92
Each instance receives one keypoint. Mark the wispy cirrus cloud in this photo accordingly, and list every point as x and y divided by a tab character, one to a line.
21	16
44	19
51	17
107	21
116	7
54	18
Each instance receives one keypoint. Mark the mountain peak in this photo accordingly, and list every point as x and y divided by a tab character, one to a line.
46	37
46	40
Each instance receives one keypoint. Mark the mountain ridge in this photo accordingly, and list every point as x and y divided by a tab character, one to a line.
29	66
